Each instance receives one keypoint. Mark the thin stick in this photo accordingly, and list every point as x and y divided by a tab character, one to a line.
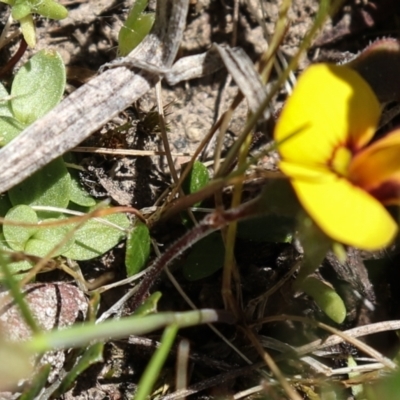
126	152
164	137
343	335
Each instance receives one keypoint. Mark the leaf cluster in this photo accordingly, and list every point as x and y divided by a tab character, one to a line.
36	89
23	11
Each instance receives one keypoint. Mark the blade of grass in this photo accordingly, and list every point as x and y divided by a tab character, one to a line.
92	355
38	383
156	363
230	267
80	335
17	295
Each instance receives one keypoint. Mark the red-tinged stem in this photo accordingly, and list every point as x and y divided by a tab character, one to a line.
209	224
7	69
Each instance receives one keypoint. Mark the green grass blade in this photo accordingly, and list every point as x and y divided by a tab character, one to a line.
156	363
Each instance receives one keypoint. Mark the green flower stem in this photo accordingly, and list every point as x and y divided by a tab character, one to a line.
315	245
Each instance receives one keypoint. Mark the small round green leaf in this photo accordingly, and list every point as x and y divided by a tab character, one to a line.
206	258
18	236
93	239
15	267
197	178
137	248
38	86
46	239
78	194
10	128
51	186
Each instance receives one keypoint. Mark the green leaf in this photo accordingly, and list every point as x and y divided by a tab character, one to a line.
38	86
14	267
388	387
21	9
34	240
18	236
326	298
5	105
46	239
10	128
93	239
137	248
149	306
206	258
136	27
78	194
51	186
196	179
50	9
37	384
28	30
356	390
47	8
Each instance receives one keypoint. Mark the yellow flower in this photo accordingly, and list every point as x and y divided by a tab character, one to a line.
341	179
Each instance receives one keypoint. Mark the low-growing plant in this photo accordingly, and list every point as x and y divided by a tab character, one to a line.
23	10
54	192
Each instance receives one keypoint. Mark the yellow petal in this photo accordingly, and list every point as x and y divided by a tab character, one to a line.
377	163
315	174
330	106
346	213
